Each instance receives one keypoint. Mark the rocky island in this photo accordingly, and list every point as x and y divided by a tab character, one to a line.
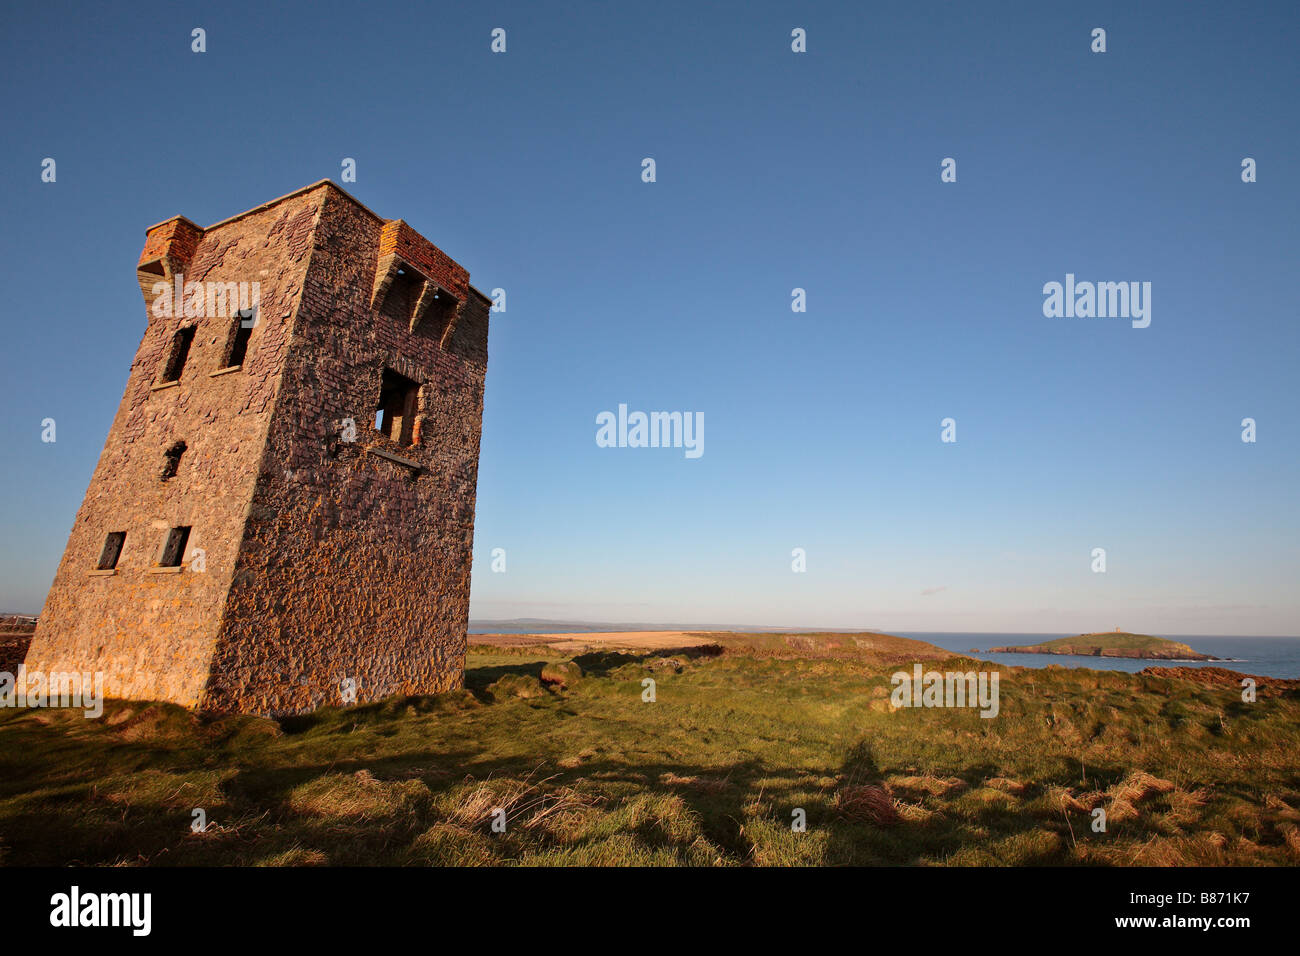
1112	644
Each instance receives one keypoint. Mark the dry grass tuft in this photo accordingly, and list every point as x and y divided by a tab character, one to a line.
913	812
925	785
1204	849
867	804
156	722
1185	805
298	856
359	796
700	784
528	805
1287	812
1291	836
578	759
1064	798
1137	786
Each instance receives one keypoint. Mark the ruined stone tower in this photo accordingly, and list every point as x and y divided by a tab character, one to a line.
285	502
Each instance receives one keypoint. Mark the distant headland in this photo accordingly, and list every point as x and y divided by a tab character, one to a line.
1112	644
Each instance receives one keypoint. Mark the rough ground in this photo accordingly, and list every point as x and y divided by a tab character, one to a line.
745	736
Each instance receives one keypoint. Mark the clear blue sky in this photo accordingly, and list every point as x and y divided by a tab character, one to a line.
775	171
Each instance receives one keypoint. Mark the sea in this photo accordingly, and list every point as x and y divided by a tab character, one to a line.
1265	656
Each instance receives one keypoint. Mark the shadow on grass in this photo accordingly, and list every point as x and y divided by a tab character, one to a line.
726	801
722	799
742	808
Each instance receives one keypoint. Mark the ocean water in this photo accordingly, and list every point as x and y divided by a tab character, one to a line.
1265	656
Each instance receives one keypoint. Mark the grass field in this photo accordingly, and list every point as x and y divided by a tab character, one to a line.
740	736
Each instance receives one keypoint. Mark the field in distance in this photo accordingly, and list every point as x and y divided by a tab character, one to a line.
746	735
861	644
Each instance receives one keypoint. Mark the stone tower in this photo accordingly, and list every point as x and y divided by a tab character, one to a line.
284	507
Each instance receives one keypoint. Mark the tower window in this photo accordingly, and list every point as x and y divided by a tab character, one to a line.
173	551
112	551
172	460
403	293
442	313
178	353
395	414
239	336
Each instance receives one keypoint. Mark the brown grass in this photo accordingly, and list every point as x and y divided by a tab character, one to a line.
867	803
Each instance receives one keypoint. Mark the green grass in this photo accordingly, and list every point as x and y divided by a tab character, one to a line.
708	774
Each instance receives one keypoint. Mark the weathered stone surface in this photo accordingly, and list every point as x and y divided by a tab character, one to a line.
320	562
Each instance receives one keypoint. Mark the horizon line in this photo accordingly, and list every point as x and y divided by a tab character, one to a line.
646	626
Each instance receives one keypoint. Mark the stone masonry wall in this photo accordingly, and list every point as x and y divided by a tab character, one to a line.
153	633
354	564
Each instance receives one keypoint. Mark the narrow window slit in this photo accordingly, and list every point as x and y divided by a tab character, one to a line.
178	353
240	334
173	551
112	551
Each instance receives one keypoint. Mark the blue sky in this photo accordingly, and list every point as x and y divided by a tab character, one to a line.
775	170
